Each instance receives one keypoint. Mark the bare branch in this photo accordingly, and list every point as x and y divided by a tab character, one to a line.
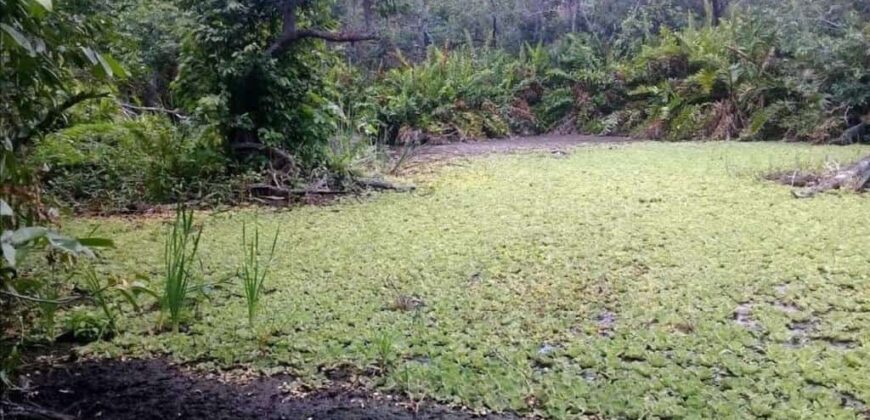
173	112
290	33
53	114
40	300
335	36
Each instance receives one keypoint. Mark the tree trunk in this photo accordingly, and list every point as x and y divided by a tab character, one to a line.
368	15
494	14
151	97
718	7
574	16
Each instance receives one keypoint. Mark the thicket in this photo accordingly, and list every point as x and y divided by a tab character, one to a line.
219	92
746	78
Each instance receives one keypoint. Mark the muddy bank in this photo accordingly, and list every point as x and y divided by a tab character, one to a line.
154	389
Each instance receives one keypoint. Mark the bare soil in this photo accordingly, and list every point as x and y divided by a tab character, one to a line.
155	389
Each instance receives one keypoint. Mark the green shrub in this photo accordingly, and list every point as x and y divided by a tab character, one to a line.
456	95
85	325
117	166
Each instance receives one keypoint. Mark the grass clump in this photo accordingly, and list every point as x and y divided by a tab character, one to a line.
181	246
254	270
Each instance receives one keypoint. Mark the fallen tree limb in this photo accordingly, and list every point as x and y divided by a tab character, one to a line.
381	185
855	177
274	192
40	300
281	192
172	112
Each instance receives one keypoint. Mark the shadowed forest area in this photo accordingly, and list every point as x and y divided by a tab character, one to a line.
403	209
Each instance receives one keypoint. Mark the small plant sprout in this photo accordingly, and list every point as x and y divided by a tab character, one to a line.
181	247
98	293
255	268
385	350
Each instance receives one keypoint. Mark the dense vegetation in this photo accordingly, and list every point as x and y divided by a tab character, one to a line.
252	87
111	106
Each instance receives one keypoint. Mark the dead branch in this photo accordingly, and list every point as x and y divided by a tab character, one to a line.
172	112
273	191
381	185
53	115
290	33
855	177
40	300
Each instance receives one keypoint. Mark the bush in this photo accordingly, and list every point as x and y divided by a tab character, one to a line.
452	95
112	166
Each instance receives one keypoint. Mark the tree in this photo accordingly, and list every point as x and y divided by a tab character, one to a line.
48	64
256	65
48	60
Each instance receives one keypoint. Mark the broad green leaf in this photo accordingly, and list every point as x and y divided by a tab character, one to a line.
8	253
104	65
6	209
18	37
26	235
91	55
39	8
46	4
117	68
141	288
67	244
130	298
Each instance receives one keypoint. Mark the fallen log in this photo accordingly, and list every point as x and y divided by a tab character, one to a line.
272	191
381	185
855	177
281	192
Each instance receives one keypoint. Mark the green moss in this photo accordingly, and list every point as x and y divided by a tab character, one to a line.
603	283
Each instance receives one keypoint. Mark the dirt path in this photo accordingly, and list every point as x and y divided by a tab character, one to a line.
510	145
154	389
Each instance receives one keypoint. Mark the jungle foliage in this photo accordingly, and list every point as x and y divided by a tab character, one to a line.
295	90
765	72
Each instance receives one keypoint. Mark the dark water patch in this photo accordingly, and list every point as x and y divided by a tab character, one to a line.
840	344
605	322
799	333
849	400
786	307
743	317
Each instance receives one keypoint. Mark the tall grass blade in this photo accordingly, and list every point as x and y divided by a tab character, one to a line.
255	269
180	252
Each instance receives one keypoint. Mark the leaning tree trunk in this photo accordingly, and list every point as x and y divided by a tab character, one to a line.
855	177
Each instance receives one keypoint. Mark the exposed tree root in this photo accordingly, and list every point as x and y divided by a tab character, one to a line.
855	177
